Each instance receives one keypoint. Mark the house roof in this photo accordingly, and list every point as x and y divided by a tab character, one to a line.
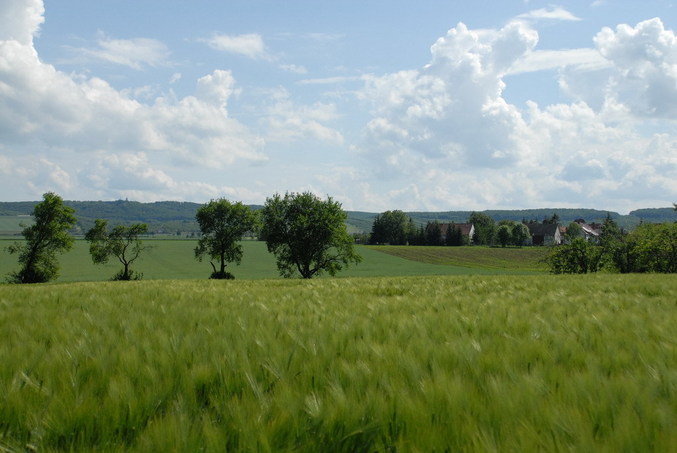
465	228
543	229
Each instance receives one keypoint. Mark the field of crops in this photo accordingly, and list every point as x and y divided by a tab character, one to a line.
174	259
437	363
522	259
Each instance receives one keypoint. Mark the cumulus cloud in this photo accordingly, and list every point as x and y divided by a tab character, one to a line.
249	45
645	67
446	135
21	20
453	107
64	118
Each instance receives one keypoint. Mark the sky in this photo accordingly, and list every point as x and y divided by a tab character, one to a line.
421	106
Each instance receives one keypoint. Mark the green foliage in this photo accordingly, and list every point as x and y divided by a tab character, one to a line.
391	227
520	234
574	230
578	257
46	237
454	236
308	236
654	248
471	364
122	242
223	224
485	229
433	234
504	234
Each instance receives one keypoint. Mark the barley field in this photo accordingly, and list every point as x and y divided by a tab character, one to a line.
398	364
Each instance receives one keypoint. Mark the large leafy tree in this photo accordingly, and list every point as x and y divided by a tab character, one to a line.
485	228
578	257
307	235
122	242
391	227
520	233
504	234
223	224
46	237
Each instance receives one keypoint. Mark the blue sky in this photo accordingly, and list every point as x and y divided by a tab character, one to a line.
427	105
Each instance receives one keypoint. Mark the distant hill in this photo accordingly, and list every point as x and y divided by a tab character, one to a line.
655	215
174	217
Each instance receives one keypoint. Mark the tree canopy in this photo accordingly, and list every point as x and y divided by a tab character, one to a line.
307	235
391	227
485	229
122	242
648	248
44	239
223	224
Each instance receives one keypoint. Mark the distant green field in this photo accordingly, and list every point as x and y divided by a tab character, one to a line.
12	225
402	364
173	259
524	259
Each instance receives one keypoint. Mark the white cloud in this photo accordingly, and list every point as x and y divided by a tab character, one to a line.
645	62
288	122
453	106
216	88
551	13
249	45
60	119
444	137
541	60
135	53
20	20
295	69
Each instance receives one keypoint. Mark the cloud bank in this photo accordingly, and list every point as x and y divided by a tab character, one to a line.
448	130
438	137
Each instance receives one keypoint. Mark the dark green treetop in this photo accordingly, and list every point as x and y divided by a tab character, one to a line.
223	224
44	239
307	235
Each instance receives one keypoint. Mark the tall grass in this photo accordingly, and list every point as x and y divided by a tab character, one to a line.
472	363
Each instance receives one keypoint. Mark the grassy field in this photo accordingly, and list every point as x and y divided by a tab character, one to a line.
14	224
449	363
524	259
173	259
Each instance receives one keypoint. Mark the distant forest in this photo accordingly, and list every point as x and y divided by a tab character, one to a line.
178	218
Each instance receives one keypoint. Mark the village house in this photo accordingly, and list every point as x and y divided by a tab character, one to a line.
591	231
544	234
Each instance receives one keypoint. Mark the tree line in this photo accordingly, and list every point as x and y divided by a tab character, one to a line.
651	247
307	235
396	228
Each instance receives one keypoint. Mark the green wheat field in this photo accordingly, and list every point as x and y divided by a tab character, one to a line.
174	259
472	363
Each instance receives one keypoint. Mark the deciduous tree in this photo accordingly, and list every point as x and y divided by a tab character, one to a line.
520	233
578	257
223	224
307	235
504	234
391	227
122	242
46	237
485	229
